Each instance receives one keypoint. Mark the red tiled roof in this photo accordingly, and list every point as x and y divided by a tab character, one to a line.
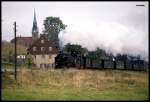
26	40
47	43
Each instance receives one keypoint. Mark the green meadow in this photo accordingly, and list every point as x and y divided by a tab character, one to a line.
75	84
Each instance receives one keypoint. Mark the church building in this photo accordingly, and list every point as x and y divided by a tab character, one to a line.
42	49
29	40
43	52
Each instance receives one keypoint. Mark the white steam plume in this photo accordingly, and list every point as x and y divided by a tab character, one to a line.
113	37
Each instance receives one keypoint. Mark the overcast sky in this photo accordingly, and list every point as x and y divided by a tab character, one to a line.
115	26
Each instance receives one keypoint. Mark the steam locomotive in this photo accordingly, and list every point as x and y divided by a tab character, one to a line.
64	60
67	60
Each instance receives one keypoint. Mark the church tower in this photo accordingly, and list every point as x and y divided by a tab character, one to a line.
34	29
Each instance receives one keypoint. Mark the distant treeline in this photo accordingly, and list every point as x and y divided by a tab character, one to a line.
77	50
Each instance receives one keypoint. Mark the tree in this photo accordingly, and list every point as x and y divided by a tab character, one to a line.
138	57
10	53
29	61
84	51
118	56
8	50
123	57
91	54
97	54
53	25
100	53
75	49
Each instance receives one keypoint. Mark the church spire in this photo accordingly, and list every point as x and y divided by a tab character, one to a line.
34	28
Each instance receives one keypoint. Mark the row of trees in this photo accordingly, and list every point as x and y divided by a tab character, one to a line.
8	54
8	50
77	50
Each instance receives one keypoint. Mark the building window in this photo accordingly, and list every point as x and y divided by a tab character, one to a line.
42	48
18	56
43	56
41	65
42	41
34	48
50	48
24	56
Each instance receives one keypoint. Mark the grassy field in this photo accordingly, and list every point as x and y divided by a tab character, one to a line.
74	84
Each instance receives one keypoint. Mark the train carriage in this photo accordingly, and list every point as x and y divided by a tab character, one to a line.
67	60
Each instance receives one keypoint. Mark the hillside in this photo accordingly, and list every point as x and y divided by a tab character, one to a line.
8	49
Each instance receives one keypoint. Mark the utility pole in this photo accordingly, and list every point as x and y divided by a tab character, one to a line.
15	75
